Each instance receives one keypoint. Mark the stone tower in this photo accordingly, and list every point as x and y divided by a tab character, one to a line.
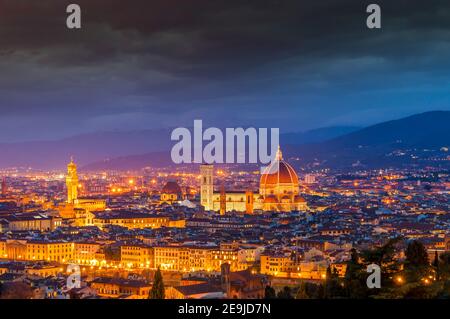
206	186
72	182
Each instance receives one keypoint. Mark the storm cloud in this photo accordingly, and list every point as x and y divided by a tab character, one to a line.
284	63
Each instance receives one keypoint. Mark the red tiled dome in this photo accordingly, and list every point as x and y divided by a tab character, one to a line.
279	172
171	188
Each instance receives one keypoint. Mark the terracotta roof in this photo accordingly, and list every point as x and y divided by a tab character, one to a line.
197	289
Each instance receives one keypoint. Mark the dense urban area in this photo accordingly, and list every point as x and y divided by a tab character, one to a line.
217	232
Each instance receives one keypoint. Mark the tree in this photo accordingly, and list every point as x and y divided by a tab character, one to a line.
444	266
417	265
416	254
157	291
333	287
112	253
436	265
302	292
269	293
383	256
16	290
285	293
354	280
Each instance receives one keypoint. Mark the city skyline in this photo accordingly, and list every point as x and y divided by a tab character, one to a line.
221	149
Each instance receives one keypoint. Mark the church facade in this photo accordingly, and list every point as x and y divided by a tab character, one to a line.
278	191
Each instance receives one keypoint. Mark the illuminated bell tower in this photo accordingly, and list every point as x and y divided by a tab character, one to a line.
72	182
206	186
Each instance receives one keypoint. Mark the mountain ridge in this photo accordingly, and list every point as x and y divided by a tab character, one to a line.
368	144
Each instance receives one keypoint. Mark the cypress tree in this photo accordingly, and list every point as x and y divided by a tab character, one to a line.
157	291
417	264
269	293
436	265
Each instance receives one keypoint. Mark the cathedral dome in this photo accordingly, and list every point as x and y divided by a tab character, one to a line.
171	188
279	172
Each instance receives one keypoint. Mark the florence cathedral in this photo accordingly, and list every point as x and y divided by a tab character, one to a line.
278	191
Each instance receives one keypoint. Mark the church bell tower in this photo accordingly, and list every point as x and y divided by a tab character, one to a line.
206	186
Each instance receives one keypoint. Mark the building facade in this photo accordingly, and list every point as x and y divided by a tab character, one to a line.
278	191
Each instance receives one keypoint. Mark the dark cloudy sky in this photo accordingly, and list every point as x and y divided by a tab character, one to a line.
293	64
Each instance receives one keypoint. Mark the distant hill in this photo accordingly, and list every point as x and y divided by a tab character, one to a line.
101	147
430	129
375	144
85	148
156	159
371	146
334	146
316	135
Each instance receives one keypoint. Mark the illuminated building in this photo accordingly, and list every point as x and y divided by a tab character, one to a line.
115	287
43	270
136	256
129	219
279	187
284	266
91	204
83	217
242	284
87	253
173	258
227	253
52	251
278	191
207	186
72	182
59	251
310	179
32	221
177	223
171	193
195	258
